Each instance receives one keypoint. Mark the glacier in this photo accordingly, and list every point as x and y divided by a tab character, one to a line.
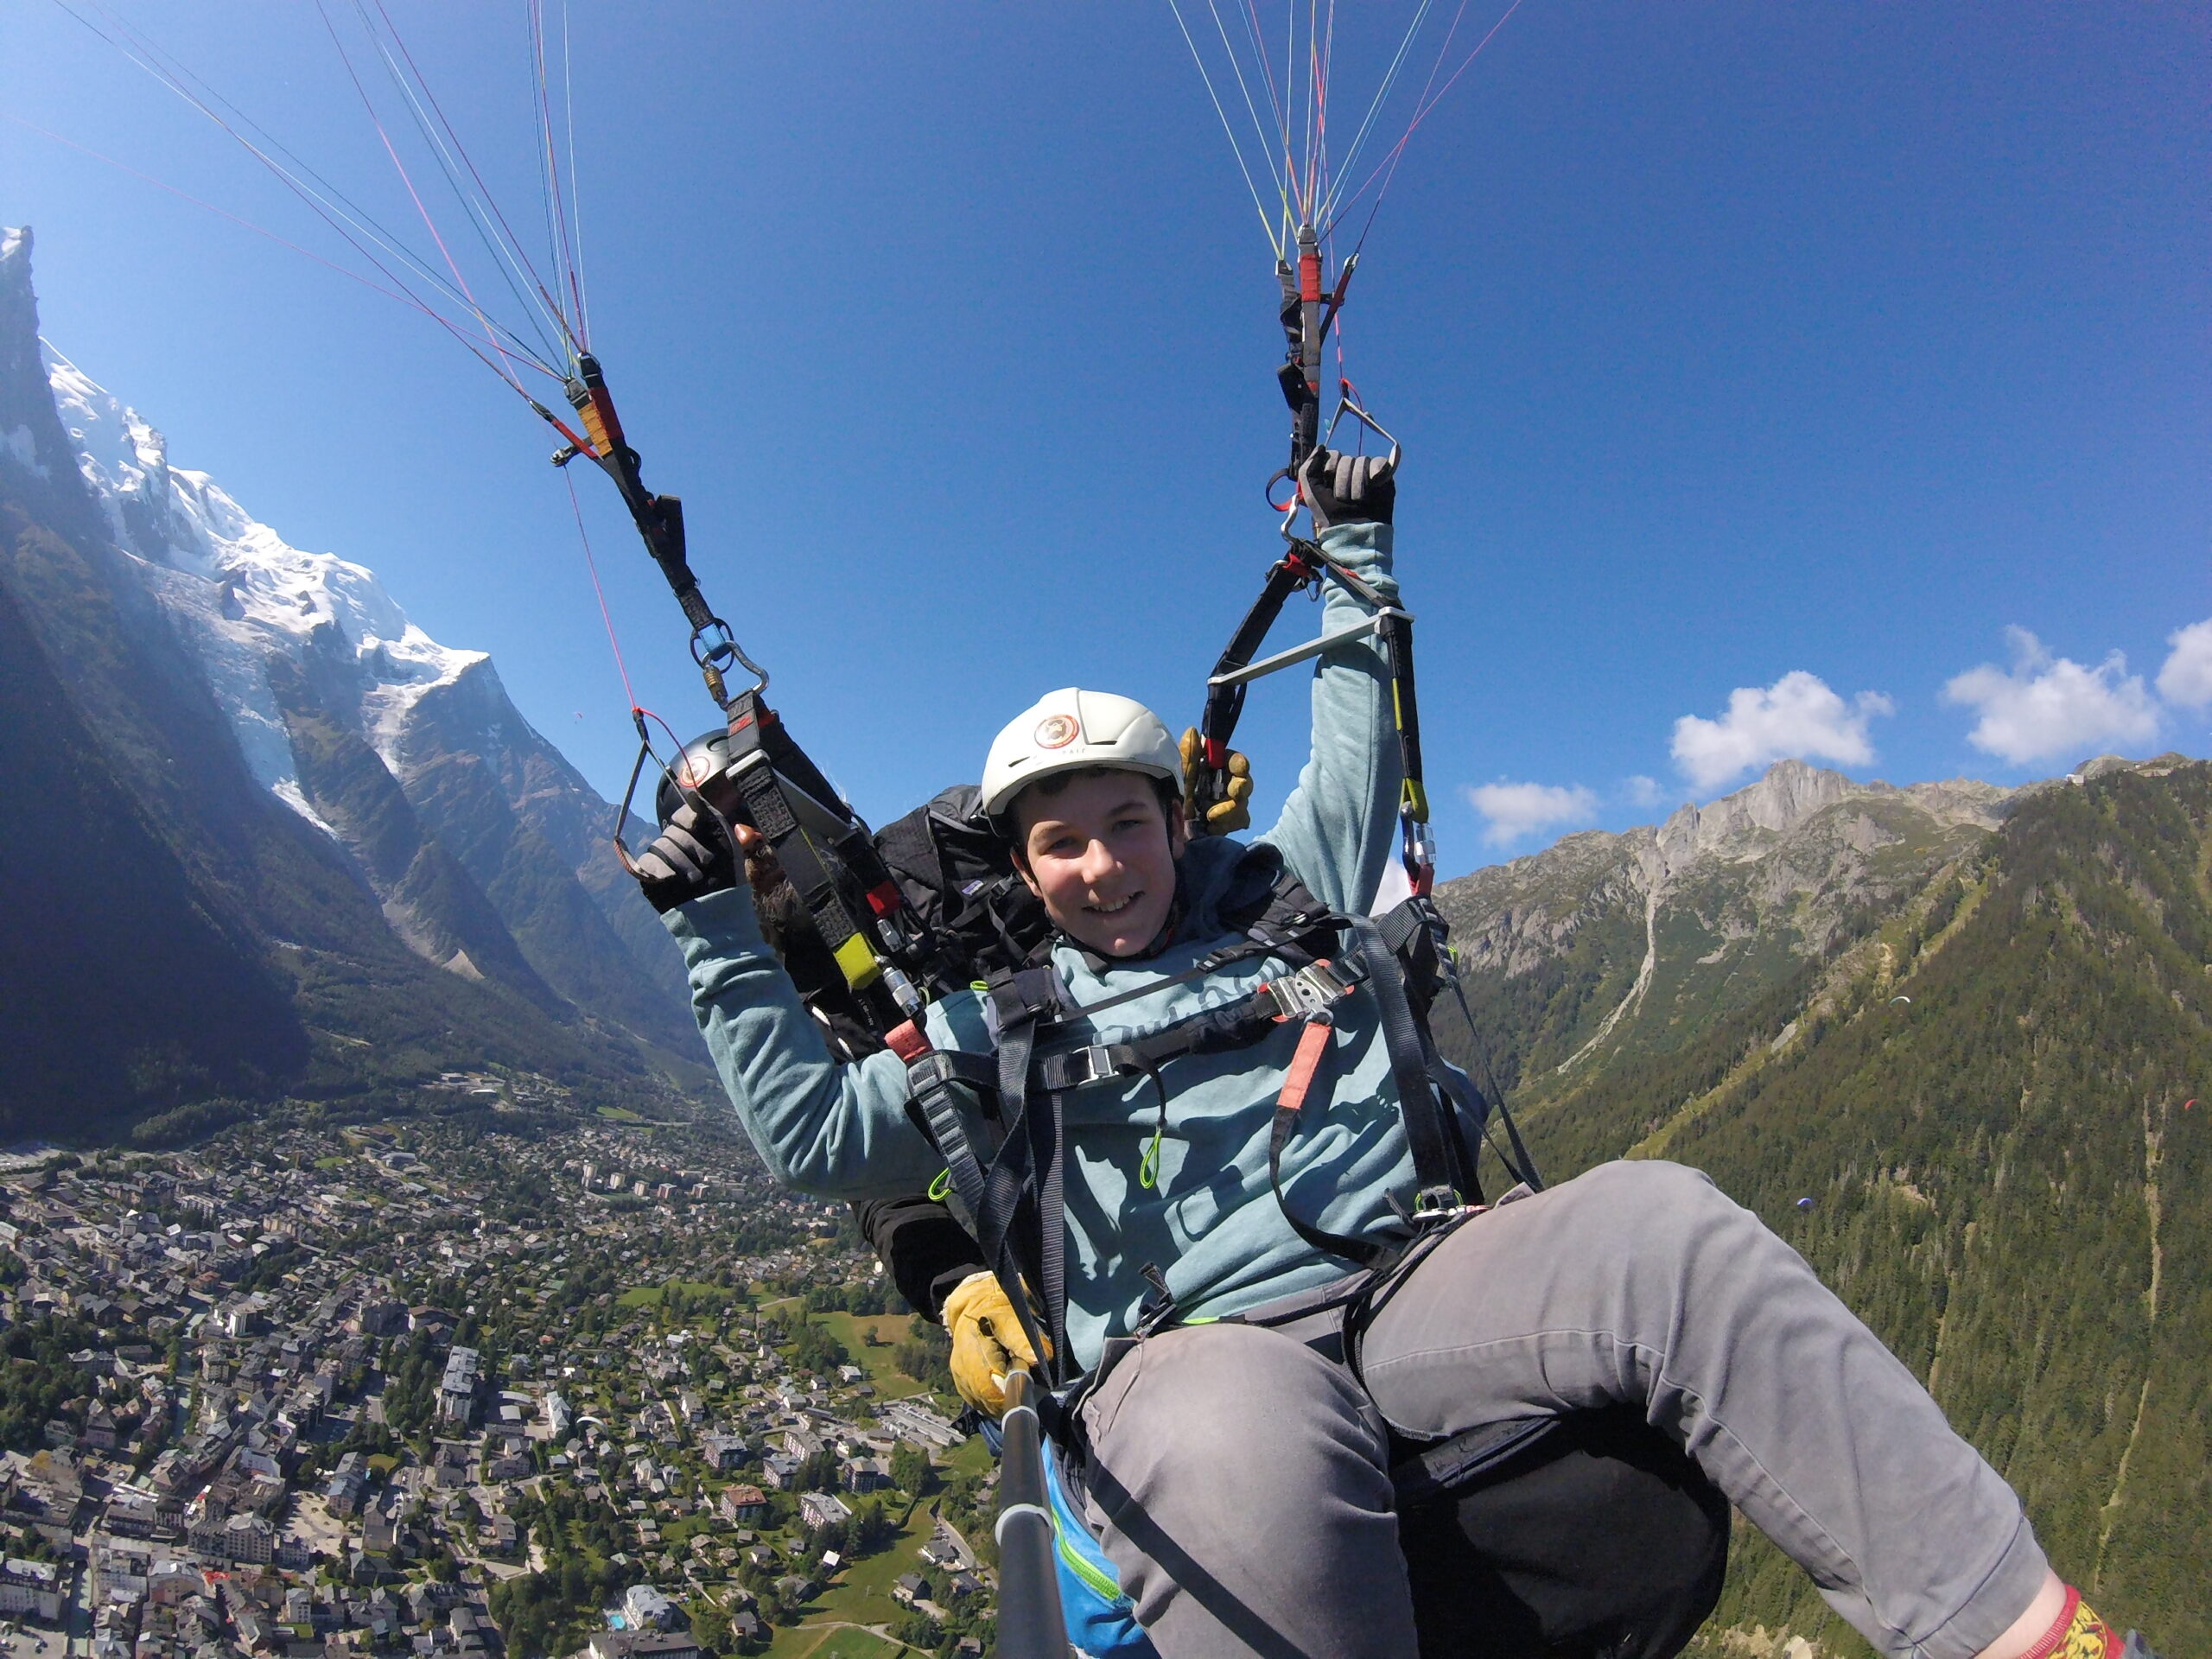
241	592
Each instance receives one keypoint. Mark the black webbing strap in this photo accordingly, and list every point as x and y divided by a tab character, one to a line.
1224	704
929	1080
1291	949
659	518
1398	924
1216	1030
764	762
1398	634
1019	1222
1360	1251
1468	1107
1438	1182
1399	928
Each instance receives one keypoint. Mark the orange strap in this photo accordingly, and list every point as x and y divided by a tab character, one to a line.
1313	1044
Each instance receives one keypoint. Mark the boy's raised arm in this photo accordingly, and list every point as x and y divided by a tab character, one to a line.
1339	826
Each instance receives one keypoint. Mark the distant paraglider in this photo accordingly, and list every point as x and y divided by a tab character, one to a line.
1804	1203
1905	1000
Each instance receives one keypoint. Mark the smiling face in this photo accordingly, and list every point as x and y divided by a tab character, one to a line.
1099	848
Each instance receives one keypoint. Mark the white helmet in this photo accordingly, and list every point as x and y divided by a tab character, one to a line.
1072	731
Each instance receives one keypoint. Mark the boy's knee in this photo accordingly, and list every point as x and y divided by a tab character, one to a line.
1653	1208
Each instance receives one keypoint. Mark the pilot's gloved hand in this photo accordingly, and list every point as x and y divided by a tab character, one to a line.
1344	489
1209	815
988	1342
692	858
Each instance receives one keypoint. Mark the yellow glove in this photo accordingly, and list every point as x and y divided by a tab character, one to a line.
988	1342
1212	817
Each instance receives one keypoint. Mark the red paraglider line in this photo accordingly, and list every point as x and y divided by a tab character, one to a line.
605	615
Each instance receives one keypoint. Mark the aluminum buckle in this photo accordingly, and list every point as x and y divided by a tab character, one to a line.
1088	1066
1312	991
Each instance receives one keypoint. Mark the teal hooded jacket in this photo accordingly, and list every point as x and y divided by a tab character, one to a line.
1209	1221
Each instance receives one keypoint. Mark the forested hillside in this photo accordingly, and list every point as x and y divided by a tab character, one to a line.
1983	1091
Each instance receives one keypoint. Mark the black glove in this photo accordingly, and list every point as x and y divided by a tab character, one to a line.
692	859
1344	489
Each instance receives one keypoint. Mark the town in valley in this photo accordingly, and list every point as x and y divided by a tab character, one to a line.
485	1381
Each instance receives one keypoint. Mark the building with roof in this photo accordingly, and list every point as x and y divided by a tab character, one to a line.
457	1389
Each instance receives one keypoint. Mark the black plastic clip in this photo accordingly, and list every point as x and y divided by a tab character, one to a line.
1157	1311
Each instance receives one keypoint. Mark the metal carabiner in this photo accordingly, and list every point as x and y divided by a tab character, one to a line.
712	659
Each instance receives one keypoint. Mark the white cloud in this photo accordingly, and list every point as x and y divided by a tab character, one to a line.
1640	791
2187	677
1518	810
1797	715
2044	707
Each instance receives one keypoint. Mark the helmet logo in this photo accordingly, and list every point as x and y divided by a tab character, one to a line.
1057	731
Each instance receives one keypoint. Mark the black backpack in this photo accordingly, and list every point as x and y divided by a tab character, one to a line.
958	877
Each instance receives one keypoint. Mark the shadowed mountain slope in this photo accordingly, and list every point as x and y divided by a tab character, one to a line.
356	815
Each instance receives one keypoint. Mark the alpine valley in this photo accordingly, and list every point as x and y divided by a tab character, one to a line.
1941	1037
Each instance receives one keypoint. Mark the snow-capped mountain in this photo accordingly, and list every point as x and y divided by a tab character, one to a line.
483	850
244	594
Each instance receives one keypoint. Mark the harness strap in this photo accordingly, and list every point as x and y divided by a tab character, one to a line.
1259	941
928	1079
768	768
1438	1182
1295	995
1290	1104
1027	1166
1226	702
1313	1045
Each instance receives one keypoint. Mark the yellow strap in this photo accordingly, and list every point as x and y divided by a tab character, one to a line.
858	962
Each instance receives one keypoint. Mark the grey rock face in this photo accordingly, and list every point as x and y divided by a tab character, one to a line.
486	850
1664	923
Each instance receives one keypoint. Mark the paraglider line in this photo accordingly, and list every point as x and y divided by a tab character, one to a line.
429	224
1327	207
1387	168
398	292
605	615
505	248
557	217
1258	205
577	285
326	202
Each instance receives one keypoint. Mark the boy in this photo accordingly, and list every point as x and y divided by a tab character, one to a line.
1237	1473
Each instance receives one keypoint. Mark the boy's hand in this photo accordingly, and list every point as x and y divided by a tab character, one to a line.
1233	811
988	1342
1342	489
691	859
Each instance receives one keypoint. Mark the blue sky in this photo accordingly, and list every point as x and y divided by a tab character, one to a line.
1774	378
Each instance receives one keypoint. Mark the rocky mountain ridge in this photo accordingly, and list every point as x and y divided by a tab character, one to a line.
225	672
1623	934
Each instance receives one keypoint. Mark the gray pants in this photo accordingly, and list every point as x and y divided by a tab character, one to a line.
1240	1475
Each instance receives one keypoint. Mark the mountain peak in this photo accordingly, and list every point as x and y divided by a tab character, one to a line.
411	780
244	591
1801	842
1789	793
